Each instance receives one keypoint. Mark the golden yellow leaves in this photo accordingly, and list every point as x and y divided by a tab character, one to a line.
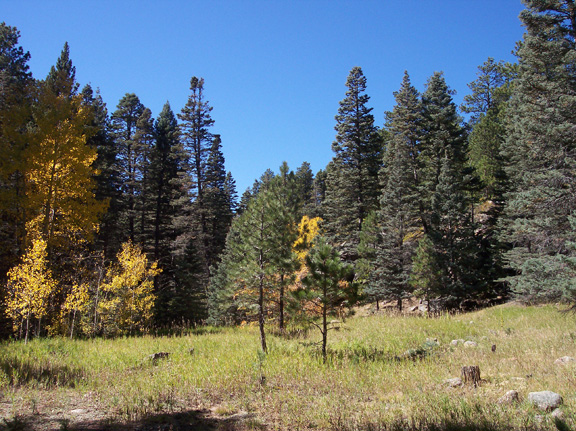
308	229
30	286
128	292
59	197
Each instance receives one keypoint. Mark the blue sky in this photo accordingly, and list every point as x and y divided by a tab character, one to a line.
274	70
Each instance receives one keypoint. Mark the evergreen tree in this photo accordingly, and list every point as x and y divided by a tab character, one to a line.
442	134
218	202
352	187
258	255
487	104
107	175
304	183
397	224
62	77
144	139
328	286
15	102
540	147
490	90
124	127
197	139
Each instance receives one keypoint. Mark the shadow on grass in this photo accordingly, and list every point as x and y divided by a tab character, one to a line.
194	420
47	373
201	420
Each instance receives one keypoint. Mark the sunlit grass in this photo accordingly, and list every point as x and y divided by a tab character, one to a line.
369	382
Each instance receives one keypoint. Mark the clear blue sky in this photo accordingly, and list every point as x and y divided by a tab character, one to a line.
274	70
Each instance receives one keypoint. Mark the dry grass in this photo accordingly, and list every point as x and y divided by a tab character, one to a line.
382	375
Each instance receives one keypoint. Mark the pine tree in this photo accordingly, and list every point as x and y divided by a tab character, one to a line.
328	286
218	202
144	140
441	132
195	126
487	104
62	77
108	238
15	103
258	255
124	127
540	147
389	240
352	187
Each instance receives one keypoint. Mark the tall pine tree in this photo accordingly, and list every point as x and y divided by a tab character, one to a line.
352	186
540	150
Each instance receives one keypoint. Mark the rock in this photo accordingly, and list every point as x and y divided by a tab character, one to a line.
456	342
545	400
509	397
493	348
564	360
557	414
155	357
78	411
470	344
454	383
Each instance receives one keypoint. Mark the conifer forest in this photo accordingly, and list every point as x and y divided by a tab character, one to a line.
116	221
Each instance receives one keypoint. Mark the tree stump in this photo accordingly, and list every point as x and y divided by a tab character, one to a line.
471	374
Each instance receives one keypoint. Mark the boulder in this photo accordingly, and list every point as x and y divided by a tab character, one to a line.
557	414
509	397
564	360
454	383
545	400
470	344
456	342
155	357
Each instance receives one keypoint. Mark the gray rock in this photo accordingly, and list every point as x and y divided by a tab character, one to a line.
564	360
155	357
78	411
509	397
456	342
545	400
557	414
454	383
470	344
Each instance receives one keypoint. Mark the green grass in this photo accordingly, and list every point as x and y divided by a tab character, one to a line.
369	382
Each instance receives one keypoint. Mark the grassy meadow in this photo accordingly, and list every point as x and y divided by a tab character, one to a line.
382	374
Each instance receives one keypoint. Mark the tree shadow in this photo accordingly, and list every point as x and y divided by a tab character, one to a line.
47	373
193	420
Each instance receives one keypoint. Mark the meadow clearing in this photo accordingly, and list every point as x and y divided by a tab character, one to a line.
384	372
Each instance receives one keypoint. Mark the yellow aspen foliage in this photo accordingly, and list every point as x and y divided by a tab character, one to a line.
77	301
30	287
59	184
128	293
308	229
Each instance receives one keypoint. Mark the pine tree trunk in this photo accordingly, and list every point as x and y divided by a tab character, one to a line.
324	329
261	314
281	305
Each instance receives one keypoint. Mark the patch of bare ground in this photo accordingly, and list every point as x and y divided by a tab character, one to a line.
71	412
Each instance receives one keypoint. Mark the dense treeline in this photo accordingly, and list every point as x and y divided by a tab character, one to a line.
115	223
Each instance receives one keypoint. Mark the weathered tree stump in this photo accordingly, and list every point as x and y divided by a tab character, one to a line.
471	374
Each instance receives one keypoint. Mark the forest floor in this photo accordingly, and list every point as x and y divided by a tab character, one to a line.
384	372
